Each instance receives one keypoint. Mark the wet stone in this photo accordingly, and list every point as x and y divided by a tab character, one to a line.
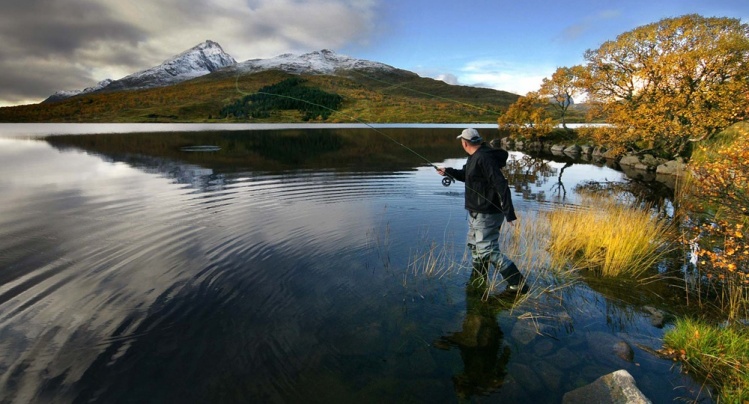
624	351
543	347
657	317
524	331
609	348
525	375
565	359
549	374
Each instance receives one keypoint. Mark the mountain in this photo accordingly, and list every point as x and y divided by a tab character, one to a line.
200	60
324	62
197	85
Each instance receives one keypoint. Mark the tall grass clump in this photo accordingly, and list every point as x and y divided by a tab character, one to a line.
607	236
719	355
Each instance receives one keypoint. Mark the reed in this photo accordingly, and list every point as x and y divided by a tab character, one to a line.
608	236
720	355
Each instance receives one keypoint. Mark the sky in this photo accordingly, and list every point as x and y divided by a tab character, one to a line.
510	45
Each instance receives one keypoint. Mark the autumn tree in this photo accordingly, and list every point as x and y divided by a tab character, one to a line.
670	83
527	117
562	88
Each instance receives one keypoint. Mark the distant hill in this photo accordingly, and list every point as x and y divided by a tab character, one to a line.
195	85
198	61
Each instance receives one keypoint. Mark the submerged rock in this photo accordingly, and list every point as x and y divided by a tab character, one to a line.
607	347
657	317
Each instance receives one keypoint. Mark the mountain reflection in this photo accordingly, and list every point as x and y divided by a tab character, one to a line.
280	150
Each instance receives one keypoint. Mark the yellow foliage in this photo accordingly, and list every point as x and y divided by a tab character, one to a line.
666	84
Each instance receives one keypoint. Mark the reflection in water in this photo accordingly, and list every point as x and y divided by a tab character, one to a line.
133	272
484	356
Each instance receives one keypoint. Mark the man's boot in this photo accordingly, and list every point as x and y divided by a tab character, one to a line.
479	274
515	280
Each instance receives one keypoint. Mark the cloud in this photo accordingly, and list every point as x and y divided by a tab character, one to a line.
50	45
499	75
448	78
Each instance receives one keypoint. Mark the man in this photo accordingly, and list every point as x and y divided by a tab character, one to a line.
488	201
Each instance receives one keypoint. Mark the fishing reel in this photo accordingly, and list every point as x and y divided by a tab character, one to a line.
446	181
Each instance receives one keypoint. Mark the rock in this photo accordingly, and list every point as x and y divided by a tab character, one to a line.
629	160
558	149
624	351
610	155
599	151
657	317
550	375
565	359
527	378
607	348
674	167
586	150
524	331
617	388
536	146
574	149
543	347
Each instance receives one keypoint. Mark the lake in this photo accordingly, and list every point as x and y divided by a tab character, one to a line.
288	265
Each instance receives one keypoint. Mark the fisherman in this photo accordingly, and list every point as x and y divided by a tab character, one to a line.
488	201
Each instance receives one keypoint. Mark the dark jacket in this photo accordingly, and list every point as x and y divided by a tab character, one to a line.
487	190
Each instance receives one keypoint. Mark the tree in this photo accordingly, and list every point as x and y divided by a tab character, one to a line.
670	83
526	117
562	88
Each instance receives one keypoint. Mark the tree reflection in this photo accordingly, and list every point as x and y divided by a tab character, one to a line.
484	356
527	170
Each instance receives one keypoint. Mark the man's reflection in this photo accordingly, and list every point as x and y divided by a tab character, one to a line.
479	341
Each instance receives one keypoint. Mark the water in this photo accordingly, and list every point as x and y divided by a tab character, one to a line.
281	269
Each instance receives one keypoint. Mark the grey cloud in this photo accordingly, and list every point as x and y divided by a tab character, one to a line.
43	42
51	45
44	27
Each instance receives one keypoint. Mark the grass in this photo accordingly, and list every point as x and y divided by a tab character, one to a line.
524	243
608	236
719	355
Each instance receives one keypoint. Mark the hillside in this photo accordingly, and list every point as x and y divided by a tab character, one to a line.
368	96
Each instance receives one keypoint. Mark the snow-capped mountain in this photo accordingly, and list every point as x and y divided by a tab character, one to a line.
200	60
61	95
208	57
319	62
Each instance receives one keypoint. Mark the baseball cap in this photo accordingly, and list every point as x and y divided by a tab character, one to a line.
471	135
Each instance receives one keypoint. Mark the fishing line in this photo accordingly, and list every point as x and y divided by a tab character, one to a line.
445	181
426	93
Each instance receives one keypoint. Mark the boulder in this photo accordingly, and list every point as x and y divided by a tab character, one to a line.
646	162
616	388
535	146
629	160
674	167
558	149
574	149
599	151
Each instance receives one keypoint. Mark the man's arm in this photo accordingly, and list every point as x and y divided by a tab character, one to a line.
456	174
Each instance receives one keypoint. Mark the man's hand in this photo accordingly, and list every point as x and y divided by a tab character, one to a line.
440	170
